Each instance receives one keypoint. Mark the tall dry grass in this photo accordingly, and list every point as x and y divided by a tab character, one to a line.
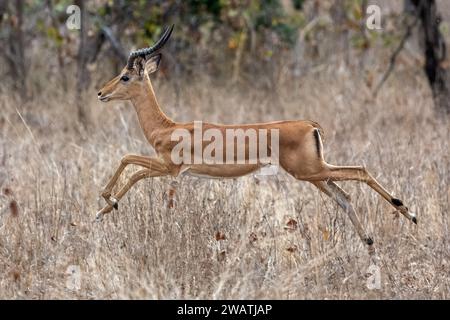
231	238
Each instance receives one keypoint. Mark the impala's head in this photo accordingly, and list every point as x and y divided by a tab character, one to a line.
131	79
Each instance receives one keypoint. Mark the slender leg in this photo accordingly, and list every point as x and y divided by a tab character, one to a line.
141	174
342	198
359	173
147	162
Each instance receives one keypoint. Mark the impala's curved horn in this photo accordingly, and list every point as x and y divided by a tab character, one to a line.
146	51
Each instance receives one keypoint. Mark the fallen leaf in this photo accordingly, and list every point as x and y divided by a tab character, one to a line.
220	236
7	191
15	275
253	237
292	249
14	208
291	225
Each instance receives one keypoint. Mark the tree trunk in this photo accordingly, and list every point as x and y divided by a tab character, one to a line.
59	52
19	48
435	53
82	72
14	50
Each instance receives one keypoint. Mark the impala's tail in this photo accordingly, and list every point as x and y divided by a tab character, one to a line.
318	138
319	128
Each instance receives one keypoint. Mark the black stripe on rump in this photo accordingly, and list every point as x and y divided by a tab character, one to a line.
318	144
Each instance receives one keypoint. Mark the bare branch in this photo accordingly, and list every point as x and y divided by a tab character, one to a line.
115	44
394	56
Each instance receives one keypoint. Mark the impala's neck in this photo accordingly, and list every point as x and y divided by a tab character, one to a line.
149	113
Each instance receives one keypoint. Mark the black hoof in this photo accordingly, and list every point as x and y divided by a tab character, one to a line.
116	206
369	241
397	202
414	219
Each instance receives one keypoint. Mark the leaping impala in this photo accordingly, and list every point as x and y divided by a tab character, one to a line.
300	144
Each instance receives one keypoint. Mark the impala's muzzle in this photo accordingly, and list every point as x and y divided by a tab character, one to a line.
103	98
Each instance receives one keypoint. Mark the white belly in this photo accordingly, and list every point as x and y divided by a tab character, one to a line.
228	171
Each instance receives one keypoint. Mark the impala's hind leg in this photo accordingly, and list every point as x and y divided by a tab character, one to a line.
361	174
326	172
343	200
358	173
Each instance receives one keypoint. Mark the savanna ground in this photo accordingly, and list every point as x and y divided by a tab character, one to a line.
270	239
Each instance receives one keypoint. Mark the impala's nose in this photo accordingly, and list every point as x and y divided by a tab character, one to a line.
99	93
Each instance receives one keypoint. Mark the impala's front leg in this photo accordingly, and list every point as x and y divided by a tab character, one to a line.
153	164
143	161
141	174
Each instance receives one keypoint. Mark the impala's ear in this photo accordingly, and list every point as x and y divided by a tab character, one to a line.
152	64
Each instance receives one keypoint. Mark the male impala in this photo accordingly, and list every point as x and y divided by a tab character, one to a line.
300	144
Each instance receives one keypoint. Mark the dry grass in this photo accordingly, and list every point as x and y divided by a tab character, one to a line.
50	177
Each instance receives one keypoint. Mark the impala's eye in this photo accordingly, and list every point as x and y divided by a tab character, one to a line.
125	78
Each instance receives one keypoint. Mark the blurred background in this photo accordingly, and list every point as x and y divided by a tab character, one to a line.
378	85
246	42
